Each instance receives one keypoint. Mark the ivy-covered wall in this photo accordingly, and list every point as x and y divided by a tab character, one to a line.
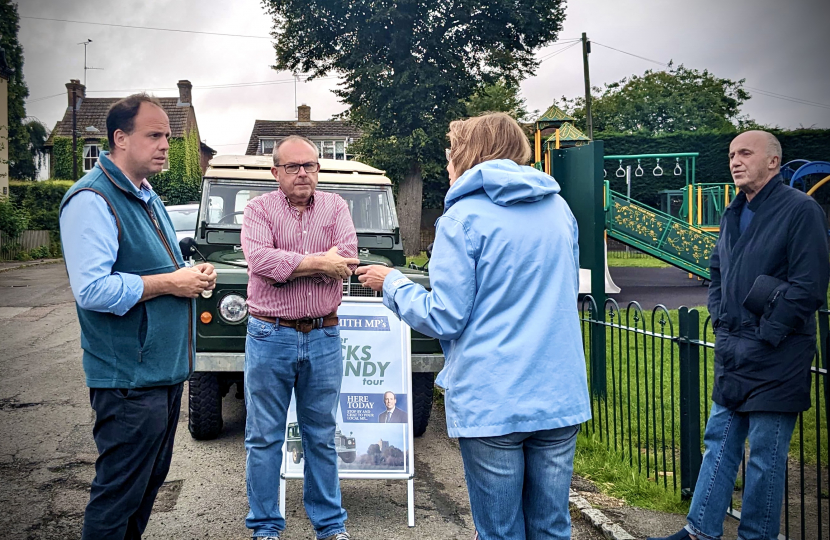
182	182
179	184
62	156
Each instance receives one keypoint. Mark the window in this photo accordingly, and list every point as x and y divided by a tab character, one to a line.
266	146
331	149
90	156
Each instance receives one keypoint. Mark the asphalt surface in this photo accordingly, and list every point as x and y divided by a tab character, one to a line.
670	287
47	452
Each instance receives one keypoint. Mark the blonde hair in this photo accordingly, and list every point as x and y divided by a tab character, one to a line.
486	137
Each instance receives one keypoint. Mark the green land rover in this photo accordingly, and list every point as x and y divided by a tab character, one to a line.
229	183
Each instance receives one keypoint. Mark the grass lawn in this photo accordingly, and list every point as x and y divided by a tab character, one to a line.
620	258
420	260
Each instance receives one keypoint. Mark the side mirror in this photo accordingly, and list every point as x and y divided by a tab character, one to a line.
429	250
187	247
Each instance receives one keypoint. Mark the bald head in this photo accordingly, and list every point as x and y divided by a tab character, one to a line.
754	159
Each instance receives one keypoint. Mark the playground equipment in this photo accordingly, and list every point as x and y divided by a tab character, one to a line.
565	135
799	172
679	235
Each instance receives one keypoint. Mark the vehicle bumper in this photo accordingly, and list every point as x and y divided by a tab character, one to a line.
235	362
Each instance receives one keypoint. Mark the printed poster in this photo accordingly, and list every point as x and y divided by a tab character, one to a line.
374	416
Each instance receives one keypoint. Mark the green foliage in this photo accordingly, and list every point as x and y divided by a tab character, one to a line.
675	100
182	182
408	67
21	162
62	156
13	219
499	97
712	164
41	201
38	133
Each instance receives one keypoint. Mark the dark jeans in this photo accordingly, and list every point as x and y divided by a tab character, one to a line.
134	432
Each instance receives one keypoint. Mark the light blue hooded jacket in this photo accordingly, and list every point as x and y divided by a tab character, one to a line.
505	276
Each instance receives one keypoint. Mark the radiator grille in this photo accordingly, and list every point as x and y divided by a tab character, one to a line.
353	287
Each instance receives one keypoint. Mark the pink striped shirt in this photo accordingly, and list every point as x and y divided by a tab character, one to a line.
276	237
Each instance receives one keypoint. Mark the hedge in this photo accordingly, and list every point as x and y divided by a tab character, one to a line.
41	200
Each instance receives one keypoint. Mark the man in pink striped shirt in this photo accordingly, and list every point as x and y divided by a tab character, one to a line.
300	245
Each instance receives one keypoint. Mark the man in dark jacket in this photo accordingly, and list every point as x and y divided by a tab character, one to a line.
769	276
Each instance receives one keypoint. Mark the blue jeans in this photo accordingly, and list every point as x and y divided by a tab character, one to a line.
519	483
769	442
277	360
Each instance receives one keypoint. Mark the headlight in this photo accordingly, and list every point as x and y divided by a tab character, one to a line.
232	308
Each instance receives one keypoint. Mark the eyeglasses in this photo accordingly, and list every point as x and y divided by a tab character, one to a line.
294	168
448	152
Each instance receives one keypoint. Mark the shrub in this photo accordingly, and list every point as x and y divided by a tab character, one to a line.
13	219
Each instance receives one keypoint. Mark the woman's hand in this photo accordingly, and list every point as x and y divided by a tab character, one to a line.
373	276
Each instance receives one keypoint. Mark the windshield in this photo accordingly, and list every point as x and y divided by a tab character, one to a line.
184	219
370	206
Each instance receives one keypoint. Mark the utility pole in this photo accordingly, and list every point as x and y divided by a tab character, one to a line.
586	50
75	133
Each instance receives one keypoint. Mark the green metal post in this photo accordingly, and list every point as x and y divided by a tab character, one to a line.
579	173
690	456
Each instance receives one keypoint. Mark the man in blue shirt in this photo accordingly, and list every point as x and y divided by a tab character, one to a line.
135	306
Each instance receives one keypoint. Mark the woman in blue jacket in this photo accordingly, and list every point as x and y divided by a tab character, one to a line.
504	276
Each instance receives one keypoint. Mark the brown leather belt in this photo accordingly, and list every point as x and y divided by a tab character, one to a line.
302	325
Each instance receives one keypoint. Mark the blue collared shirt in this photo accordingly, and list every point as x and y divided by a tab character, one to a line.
89	235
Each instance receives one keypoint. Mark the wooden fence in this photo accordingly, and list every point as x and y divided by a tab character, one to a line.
10	248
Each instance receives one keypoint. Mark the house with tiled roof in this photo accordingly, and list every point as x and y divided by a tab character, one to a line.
332	137
188	155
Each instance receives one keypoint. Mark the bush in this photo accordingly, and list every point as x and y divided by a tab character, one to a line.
41	201
13	219
42	252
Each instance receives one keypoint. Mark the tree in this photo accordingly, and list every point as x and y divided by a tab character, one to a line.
408	66
499	97
37	134
678	99
21	160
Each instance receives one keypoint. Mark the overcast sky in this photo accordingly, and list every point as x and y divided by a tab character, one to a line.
777	46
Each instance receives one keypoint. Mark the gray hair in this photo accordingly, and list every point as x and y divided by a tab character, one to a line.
773	147
290	138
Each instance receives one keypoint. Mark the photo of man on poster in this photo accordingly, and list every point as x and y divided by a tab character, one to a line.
392	414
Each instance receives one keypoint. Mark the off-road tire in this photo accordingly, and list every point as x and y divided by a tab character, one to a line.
422	388
204	406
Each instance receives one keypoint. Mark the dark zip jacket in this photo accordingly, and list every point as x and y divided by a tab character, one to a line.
762	360
153	343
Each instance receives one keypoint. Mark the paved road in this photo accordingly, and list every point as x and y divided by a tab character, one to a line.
47	452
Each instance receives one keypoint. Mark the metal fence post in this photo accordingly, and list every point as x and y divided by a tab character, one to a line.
690	455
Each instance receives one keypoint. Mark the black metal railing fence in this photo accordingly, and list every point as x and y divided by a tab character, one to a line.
650	376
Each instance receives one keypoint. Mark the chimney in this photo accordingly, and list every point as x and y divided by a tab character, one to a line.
303	113
74	88
184	93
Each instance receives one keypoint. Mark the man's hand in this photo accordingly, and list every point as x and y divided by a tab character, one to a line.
208	270
373	276
190	282
336	266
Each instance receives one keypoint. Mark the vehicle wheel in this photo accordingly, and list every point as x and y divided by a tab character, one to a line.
296	455
348	457
205	406
422	388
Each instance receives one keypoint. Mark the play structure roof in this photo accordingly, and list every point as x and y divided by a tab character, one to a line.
553	117
569	135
